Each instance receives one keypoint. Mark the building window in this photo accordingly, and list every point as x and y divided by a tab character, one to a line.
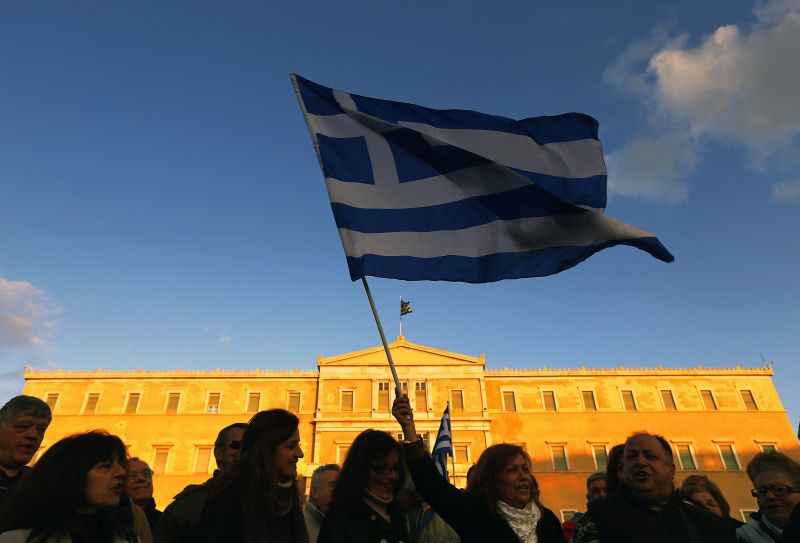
628	400
768	447
173	399
709	403
202	458
685	457
457	398
559	453
160	460
461	453
509	400
294	402
383	396
213	402
404	388
749	400
600	456
728	455
253	402
421	395
346	401
91	403
52	400
549	400
589	403
341	453
669	400
133	403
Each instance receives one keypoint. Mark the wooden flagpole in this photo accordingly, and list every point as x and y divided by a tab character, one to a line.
397	390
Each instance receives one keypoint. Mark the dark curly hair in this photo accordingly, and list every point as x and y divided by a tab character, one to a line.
483	482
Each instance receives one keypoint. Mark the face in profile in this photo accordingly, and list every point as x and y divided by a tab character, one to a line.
597	489
706	501
647	470
384	475
287	454
21	438
514	482
105	483
322	493
231	450
139	485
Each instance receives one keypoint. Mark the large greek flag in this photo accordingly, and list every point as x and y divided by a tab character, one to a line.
444	443
454	195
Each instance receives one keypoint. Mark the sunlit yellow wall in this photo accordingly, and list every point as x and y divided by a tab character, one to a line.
326	430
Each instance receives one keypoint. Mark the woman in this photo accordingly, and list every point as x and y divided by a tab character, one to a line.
256	500
613	467
776	487
499	504
72	494
364	507
705	494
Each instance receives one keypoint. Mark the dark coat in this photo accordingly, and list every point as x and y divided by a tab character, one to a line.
182	516
361	524
792	532
467	515
618	518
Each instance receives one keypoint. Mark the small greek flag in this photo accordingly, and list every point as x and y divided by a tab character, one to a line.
455	195
405	307
444	443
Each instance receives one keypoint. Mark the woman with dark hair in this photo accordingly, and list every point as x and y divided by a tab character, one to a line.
500	503
613	467
72	494
364	507
705	494
256	500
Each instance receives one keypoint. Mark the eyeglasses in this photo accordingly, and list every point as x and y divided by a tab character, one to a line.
235	445
779	491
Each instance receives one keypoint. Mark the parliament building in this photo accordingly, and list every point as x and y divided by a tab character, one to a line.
567	419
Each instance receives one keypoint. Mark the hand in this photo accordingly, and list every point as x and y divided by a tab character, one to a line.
401	409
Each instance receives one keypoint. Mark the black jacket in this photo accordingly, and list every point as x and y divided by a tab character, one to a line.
360	524
618	518
467	515
792	532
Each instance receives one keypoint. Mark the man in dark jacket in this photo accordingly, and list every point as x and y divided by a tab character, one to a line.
183	514
23	423
647	508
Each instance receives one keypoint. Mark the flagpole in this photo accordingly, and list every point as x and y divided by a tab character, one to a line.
401	316
397	390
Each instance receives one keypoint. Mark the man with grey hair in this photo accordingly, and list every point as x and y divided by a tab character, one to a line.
323	481
181	517
23	423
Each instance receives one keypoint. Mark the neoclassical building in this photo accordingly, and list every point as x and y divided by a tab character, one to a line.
567	419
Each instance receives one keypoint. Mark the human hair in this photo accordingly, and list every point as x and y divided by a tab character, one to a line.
612	468
774	461
368	447
222	436
483	484
661	441
254	479
316	477
47	498
598	476
24	405
700	483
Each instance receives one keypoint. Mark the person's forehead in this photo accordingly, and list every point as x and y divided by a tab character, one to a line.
234	434
773	477
597	483
27	418
135	465
330	475
518	460
644	443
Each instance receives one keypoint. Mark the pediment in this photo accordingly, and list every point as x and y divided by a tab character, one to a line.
404	353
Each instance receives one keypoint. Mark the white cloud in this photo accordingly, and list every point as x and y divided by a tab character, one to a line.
26	314
737	84
786	191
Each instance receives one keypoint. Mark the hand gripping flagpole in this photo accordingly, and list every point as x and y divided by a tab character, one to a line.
397	390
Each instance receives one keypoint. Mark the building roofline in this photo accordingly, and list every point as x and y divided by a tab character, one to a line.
622	370
33	374
399	342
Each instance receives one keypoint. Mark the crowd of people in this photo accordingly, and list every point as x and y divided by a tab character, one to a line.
85	488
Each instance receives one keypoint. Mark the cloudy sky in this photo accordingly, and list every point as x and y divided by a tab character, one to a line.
161	206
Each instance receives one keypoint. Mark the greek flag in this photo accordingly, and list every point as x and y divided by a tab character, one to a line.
444	443
455	195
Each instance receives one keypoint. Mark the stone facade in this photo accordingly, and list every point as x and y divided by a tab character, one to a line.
567	419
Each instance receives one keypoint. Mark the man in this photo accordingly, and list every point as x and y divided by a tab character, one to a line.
647	507
596	488
776	487
323	481
23	423
139	487
182	515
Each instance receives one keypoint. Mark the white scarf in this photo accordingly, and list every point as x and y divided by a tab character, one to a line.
522	521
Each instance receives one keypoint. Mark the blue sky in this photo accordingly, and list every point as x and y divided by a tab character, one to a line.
161	205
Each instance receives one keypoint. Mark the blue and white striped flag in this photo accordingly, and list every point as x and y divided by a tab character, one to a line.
444	443
454	195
